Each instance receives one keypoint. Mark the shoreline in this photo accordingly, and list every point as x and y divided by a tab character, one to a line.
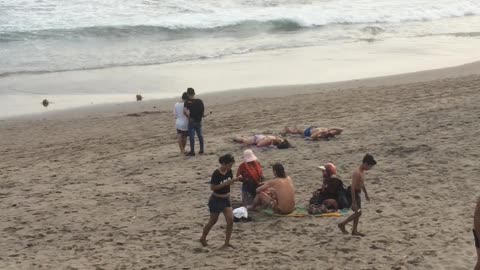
219	97
282	69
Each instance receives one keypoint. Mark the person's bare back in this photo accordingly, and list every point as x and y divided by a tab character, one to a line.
285	193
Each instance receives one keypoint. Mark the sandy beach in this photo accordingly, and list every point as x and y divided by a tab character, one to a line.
105	187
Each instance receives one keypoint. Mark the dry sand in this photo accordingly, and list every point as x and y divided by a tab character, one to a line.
97	189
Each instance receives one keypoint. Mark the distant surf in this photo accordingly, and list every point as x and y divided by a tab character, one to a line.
56	36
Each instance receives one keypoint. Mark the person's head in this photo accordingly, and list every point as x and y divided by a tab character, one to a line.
328	170
191	92
226	161
368	162
249	156
283	144
278	170
184	96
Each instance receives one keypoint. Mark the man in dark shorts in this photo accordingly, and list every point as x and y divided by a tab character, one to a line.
194	110
476	232
358	184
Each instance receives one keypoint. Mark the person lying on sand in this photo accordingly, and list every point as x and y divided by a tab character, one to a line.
476	232
261	140
315	133
358	184
278	193
219	202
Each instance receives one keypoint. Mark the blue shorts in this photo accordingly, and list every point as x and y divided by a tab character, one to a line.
217	205
308	131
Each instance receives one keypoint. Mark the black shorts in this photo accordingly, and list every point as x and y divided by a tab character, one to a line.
182	132
477	241
359	200
217	205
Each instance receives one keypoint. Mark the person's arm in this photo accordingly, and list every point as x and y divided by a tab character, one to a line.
174	112
263	187
476	218
365	191
241	170
186	112
225	183
202	109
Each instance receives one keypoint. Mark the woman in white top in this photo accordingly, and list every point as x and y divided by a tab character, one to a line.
181	123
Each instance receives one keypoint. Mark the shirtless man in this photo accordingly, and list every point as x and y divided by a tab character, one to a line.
358	184
476	232
278	193
315	133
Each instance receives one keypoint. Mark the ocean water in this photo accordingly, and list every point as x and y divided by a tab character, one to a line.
38	36
46	40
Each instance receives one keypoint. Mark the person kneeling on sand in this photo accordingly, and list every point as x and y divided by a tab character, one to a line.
219	202
331	196
261	140
279	193
252	174
476	232
315	133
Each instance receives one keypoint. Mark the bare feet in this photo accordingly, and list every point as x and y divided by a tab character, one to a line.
203	242
342	228
358	234
225	246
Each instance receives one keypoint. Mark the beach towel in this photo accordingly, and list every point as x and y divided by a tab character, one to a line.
302	212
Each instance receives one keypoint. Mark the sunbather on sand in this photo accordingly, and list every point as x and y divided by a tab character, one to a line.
315	133
279	193
264	140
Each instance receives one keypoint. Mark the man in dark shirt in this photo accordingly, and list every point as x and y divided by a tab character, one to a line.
194	110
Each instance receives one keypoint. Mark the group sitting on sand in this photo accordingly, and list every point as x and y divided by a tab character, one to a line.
279	192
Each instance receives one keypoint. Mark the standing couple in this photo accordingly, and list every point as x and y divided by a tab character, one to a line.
188	115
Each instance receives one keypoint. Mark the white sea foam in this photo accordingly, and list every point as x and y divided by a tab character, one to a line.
57	35
33	15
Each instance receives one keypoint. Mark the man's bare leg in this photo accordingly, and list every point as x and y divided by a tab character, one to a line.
355	225
239	139
260	199
213	219
228	213
294	130
342	224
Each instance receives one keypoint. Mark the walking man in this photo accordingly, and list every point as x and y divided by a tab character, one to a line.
358	185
